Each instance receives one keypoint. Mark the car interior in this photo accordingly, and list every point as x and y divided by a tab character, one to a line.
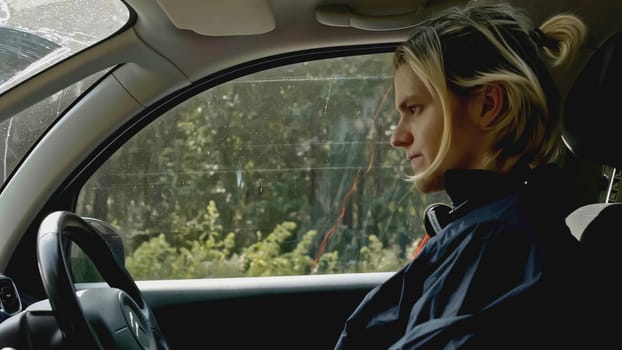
590	132
169	52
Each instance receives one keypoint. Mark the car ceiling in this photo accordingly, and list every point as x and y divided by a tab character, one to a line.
216	35
296	26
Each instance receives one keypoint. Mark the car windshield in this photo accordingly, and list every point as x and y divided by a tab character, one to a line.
35	34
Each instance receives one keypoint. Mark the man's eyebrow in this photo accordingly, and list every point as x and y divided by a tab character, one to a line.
409	100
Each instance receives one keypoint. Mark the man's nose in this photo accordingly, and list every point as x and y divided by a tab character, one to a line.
401	136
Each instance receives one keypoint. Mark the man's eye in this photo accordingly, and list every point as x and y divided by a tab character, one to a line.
414	109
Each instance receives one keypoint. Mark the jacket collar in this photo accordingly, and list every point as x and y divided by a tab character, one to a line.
483	186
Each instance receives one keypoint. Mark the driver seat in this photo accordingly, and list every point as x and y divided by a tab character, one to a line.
591	130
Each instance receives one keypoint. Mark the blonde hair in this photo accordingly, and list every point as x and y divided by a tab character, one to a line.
467	48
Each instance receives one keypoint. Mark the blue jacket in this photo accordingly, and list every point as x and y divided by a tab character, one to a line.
502	274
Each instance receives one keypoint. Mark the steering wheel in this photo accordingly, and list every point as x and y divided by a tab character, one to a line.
114	317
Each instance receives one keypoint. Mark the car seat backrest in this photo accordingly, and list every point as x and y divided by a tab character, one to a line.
593	108
591	130
591	127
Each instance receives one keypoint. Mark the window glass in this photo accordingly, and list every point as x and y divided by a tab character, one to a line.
286	171
20	132
35	34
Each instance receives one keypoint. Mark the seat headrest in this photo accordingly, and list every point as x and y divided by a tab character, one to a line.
593	107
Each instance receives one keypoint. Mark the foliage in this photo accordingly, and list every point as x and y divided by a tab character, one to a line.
207	255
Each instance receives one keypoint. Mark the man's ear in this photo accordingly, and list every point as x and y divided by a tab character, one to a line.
492	100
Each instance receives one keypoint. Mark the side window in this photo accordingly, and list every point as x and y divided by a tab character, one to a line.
286	171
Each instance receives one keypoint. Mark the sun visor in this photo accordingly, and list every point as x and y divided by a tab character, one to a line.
220	18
